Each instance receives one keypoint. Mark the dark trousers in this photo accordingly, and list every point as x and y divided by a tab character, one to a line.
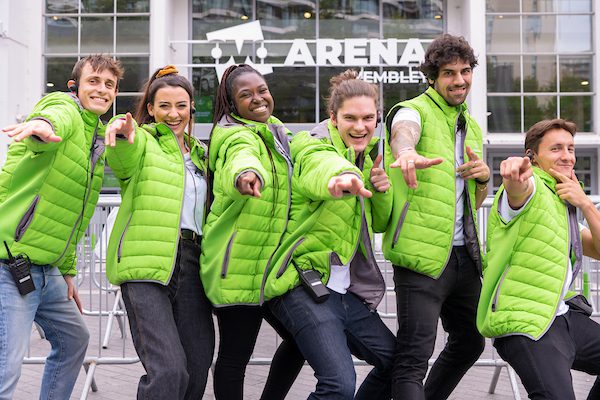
544	366
172	330
420	301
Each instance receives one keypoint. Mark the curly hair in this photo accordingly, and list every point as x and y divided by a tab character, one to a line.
444	50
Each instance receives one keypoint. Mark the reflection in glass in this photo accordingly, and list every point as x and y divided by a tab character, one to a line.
97	34
503	34
573	6
539	5
394	93
133	6
218	14
537	108
503	73
97	6
287	20
136	73
340	19
325	74
574	33
539	33
402	19
293	90
61	34
505	114
502	6
205	87
58	72
575	73
539	73
579	110
124	104
62	6
133	34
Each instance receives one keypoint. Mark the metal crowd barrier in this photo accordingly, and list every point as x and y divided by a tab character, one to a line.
103	304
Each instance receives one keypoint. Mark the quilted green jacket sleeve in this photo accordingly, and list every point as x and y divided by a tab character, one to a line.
125	158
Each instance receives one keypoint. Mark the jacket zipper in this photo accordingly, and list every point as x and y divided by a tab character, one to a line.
26	219
288	257
121	239
497	293
400	223
227	254
180	207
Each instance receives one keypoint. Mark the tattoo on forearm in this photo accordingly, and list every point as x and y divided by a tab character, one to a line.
405	134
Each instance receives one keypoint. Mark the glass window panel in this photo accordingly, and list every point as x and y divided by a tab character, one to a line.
584	163
136	73
286	20
502	5
325	74
294	97
539	33
575	73
537	108
394	93
503	34
579	110
205	87
61	34
504	73
406	19
340	19
574	33
97	6
58	72
133	6
133	34
110	183
539	5
573	6
218	14
62	6
97	35
539	73
505	114
124	104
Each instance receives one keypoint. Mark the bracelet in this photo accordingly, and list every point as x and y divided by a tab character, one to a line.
477	181
481	188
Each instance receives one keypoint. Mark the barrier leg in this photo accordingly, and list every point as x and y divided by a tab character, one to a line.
514	383
89	380
494	382
40	331
112	314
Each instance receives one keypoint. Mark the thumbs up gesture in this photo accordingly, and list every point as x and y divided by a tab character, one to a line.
379	178
475	168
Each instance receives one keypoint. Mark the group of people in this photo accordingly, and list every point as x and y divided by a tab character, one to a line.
263	224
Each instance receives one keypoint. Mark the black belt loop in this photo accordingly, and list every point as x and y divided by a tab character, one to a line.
188	234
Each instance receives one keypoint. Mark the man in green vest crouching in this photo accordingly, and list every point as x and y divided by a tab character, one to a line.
439	181
534	252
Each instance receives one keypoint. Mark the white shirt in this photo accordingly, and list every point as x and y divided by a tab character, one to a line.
408	114
192	213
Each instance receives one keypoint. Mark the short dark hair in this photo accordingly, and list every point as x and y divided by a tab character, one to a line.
536	133
444	50
98	62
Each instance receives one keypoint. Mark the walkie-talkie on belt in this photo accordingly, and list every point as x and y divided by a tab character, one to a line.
20	269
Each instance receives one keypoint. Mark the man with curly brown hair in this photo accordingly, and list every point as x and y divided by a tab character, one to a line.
439	181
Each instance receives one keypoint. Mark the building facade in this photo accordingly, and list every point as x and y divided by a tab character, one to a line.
537	58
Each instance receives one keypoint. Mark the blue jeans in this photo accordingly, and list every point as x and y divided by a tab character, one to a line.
329	333
61	321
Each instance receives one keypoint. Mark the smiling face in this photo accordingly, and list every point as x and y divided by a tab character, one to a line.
171	106
454	82
96	89
356	120
252	98
557	151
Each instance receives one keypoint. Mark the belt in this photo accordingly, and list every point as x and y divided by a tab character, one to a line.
188	234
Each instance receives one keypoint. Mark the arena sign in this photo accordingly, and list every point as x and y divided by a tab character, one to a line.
379	60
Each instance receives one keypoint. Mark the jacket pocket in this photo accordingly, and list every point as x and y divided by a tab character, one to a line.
121	239
497	292
400	223
26	219
227	255
288	257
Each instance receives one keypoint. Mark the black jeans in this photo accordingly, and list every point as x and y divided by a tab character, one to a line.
544	366
172	330
420	301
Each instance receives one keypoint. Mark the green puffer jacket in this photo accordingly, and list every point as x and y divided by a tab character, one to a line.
242	232
421	230
144	240
324	230
527	260
48	191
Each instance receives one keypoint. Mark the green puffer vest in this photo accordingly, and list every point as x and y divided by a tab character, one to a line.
48	191
526	268
242	232
324	230
419	236
144	240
